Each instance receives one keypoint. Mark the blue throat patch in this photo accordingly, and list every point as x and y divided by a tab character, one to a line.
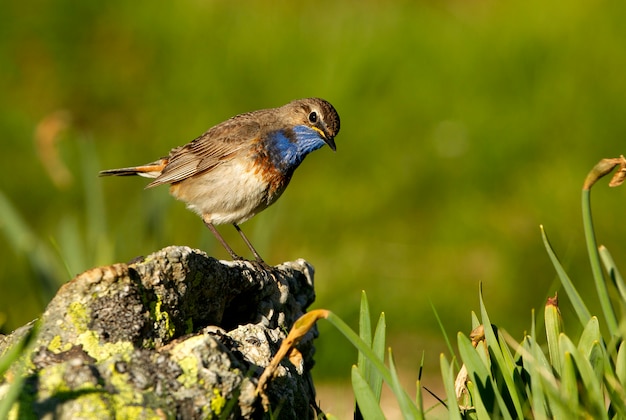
288	154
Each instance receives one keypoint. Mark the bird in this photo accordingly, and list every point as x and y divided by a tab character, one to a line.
241	166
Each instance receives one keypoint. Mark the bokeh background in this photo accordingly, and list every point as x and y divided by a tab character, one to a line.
465	125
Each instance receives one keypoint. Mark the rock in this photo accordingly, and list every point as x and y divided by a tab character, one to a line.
177	334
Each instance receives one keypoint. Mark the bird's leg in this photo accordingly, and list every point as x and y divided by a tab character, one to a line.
222	241
245	239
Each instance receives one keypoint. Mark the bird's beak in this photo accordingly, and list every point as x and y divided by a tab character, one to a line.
328	139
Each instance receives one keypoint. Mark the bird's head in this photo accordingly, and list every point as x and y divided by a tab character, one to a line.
317	114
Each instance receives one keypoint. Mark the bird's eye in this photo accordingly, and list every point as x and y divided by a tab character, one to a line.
313	117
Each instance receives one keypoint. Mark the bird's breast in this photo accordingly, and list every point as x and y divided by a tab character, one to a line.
232	192
274	173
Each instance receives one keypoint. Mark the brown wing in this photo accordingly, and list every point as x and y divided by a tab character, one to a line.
217	145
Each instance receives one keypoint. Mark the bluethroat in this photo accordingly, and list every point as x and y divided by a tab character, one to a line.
242	165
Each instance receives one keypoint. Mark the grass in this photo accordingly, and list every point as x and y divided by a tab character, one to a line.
582	377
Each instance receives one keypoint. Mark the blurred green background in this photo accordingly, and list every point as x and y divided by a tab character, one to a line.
465	125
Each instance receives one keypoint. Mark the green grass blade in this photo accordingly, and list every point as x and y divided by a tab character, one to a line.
494	349
589	336
367	371
409	410
569	388
375	379
482	398
577	303
475	365
448	384
365	333
475	320
371	375
517	386
620	364
419	400
596	360
16	350
11	359
547	389
361	346
553	323
611	268
367	401
591	385
479	407
596	268
14	391
616	392
443	331
533	366
533	329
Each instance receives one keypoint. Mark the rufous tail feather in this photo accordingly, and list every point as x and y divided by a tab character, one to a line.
151	170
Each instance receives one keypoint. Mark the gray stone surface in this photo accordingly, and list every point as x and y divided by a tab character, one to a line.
177	334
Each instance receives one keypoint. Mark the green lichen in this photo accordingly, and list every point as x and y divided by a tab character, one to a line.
184	355
217	402
162	317
134	412
91	343
189	365
92	406
78	316
55	344
51	380
125	394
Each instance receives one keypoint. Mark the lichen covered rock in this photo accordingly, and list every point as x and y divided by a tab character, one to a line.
177	334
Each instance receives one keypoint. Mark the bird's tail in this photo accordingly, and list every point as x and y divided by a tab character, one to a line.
150	170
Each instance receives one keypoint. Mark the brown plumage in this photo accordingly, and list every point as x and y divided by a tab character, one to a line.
241	166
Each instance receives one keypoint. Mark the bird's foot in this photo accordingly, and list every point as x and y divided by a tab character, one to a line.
261	265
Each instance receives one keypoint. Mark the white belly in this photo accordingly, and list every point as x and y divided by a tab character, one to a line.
230	193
